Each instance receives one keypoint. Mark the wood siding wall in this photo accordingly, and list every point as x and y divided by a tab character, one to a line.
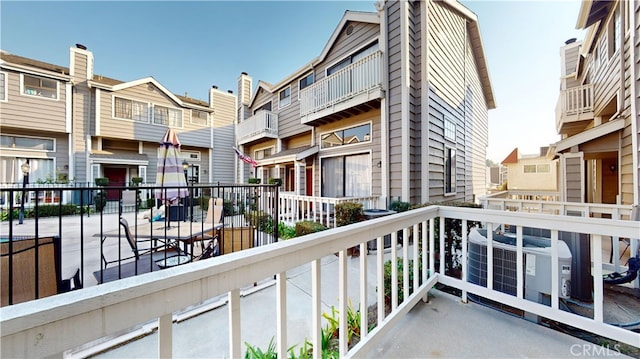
195	135
455	93
573	179
83	107
25	111
224	120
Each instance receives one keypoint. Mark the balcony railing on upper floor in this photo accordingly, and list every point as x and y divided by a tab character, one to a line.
56	324
264	124
359	78
574	105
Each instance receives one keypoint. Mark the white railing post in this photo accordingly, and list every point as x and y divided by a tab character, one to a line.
281	314
519	263
598	289
165	336
380	279
464	258
316	305
394	269
554	270
364	309
235	333
342	294
490	256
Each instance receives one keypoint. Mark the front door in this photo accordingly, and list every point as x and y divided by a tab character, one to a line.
117	178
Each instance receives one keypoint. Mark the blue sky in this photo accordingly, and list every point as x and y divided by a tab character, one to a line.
190	46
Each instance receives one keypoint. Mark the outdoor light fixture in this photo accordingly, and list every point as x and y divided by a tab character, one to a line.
25	168
379	164
612	168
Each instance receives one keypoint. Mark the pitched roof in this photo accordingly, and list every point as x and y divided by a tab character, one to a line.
102	81
511	158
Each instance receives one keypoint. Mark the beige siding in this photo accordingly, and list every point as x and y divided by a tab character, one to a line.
192	134
298	141
362	35
22	110
223	137
573	179
394	99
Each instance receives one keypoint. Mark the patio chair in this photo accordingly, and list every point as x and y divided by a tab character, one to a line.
36	268
215	214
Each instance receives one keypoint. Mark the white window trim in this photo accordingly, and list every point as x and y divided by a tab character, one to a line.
280	105
304	77
113	109
353	52
370	123
6	86
346	154
186	155
455	129
454	184
27	149
153	115
199	124
36	96
253	153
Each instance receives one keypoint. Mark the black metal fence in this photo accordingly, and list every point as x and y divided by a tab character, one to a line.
90	240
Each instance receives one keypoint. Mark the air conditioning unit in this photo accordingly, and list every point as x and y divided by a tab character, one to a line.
536	262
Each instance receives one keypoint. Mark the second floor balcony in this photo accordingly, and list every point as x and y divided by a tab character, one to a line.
264	124
357	87
574	110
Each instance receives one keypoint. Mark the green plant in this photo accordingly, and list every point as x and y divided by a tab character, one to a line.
286	232
100	200
257	353
253	180
348	213
135	181
399	206
387	278
203	202
276	181
229	208
307	227
101	181
151	202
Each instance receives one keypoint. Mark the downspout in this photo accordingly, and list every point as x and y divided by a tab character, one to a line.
70	88
424	95
384	111
621	95
635	131
405	98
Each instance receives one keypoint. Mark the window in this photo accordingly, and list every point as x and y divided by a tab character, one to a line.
308	80
450	171
3	86
131	110
199	118
27	143
38	86
347	136
39	169
542	168
266	107
167	116
353	58
614	32
285	97
346	176
263	153
449	129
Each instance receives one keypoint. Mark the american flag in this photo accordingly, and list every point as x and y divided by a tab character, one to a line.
245	158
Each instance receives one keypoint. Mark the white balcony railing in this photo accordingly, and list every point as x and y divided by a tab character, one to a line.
503	201
262	124
295	208
357	78
574	102
49	326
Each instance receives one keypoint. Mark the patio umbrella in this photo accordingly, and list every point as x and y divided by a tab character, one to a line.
170	173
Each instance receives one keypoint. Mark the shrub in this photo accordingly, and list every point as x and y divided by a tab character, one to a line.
100	200
203	201
102	181
286	232
253	180
135	181
348	213
387	278
151	203
228	208
399	206
276	181
307	227
258	219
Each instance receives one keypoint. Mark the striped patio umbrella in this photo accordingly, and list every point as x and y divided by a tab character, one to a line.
170	173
